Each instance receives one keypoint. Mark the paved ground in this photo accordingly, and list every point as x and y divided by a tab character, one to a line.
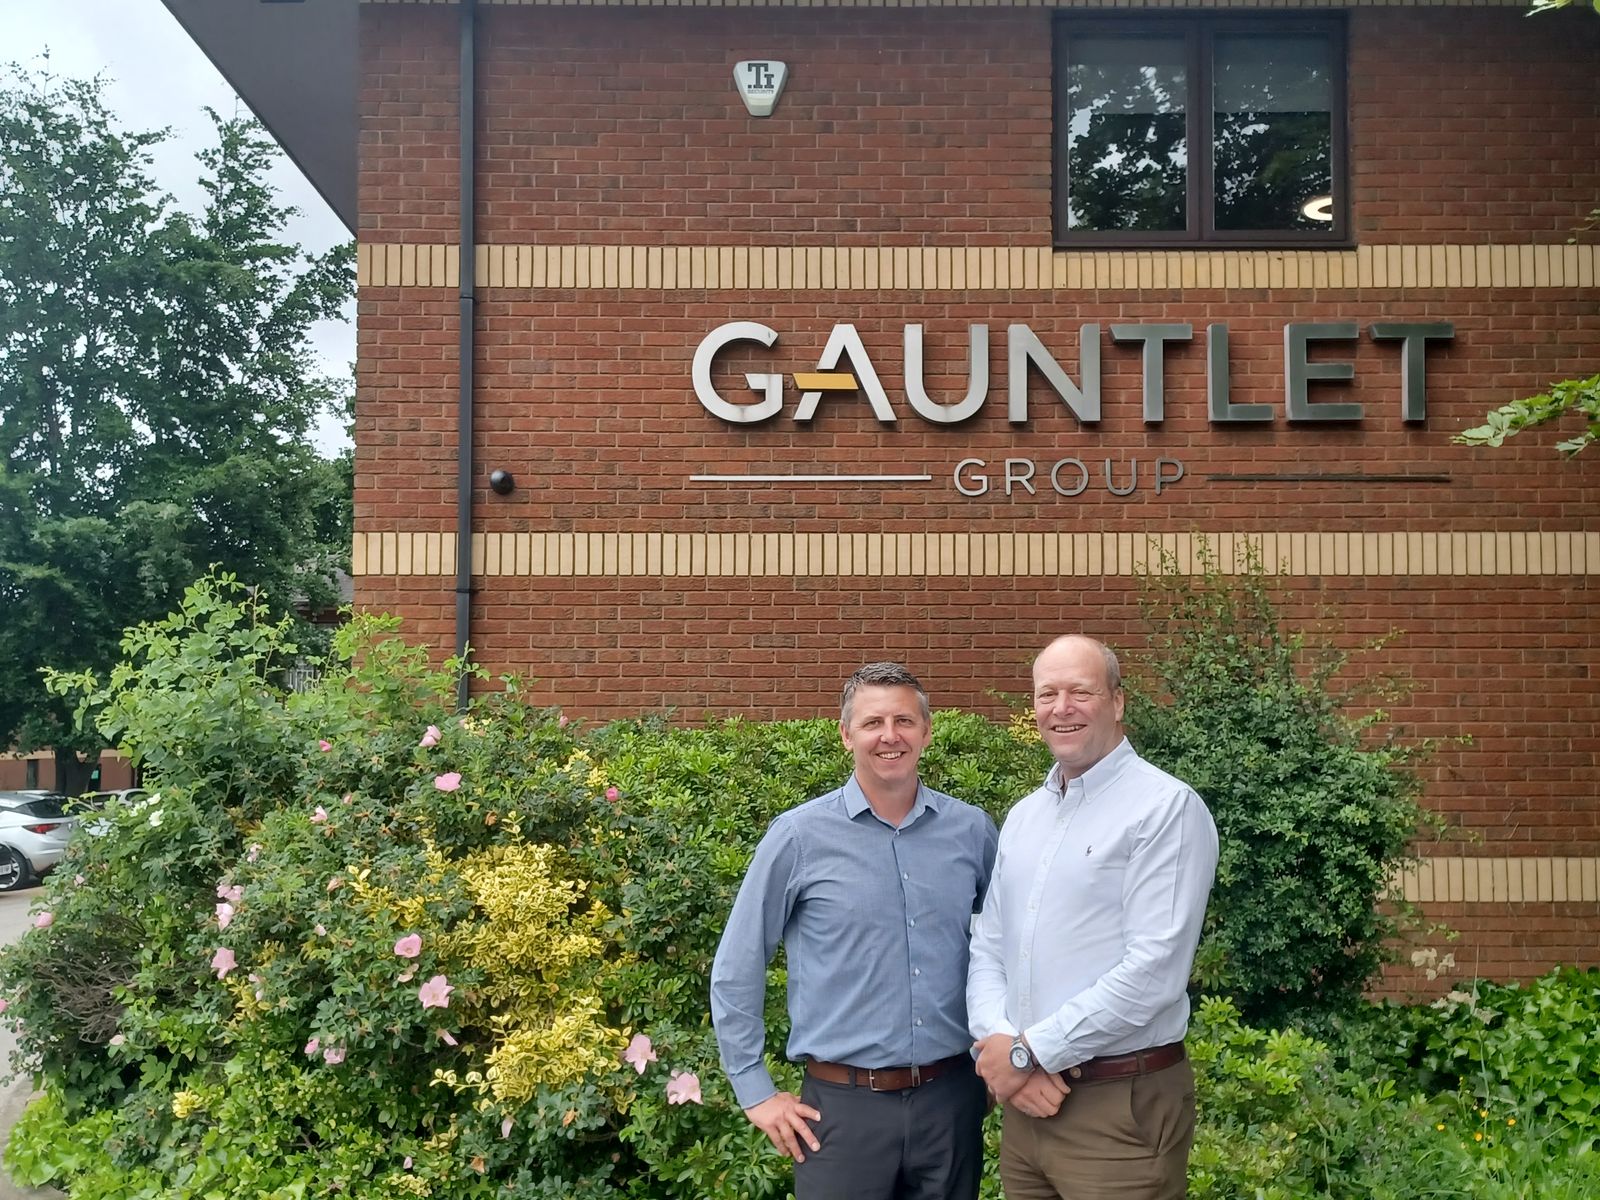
14	919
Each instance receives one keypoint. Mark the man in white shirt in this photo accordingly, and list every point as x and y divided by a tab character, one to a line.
1081	957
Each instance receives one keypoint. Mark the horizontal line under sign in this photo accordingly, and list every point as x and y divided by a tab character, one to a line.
1326	477
810	478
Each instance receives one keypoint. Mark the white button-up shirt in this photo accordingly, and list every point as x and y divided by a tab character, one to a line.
1090	924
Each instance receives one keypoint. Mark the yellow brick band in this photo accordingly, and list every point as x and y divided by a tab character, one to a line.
827	555
1535	880
980	268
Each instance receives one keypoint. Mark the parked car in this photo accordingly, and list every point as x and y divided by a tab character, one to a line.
34	829
94	801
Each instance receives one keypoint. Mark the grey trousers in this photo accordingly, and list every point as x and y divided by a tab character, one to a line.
922	1143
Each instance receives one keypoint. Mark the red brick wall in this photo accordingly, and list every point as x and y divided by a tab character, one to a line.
906	126
926	127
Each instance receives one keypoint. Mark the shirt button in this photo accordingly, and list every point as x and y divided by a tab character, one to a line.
919	1020
916	970
1076	1073
905	875
912	921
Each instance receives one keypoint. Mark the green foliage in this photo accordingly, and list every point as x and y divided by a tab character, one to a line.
1315	808
1532	1047
227	1003
1580	396
569	884
158	389
1540	6
1279	1120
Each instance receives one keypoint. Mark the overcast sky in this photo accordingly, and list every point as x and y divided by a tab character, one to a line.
157	78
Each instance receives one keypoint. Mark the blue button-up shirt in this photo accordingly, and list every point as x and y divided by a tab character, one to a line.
875	920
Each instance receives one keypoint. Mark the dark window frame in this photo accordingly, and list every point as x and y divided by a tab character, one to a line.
1199	33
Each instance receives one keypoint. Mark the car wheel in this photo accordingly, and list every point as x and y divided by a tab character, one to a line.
14	870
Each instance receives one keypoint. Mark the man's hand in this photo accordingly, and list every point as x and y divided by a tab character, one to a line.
1040	1096
782	1117
994	1067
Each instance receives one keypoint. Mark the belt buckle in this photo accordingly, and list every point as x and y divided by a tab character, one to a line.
872	1081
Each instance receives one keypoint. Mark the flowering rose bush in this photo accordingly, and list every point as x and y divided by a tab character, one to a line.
355	943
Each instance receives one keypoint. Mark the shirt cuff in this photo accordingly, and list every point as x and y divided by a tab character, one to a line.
752	1086
1049	1048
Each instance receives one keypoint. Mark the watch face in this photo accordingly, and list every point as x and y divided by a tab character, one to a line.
1020	1058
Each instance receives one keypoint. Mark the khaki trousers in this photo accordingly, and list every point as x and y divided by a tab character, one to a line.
1122	1139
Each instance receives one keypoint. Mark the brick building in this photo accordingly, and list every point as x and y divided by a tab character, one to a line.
926	362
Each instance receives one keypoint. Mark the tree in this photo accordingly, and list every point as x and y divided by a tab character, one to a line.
1568	396
157	392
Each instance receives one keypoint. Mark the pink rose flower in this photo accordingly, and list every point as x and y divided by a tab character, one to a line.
448	1038
232	893
335	884
321	929
640	1053
224	915
431	737
435	993
409	946
333	1055
313	1046
324	745
222	962
253	853
4	1004
318	817
117	1039
505	1127
613	795
450	781
44	920
684	1088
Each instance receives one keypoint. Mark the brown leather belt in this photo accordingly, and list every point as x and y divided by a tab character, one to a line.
1121	1066
883	1079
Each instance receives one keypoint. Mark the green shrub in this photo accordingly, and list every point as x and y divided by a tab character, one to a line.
1279	1120
1529	1048
1316	808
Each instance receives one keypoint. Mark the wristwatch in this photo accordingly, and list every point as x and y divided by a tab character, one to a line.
1022	1058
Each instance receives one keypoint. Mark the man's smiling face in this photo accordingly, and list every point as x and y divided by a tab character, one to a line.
885	734
1079	713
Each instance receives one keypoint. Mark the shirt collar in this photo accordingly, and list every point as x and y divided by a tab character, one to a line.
856	802
1097	776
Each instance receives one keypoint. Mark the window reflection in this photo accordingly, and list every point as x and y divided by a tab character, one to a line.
1127	156
1272	135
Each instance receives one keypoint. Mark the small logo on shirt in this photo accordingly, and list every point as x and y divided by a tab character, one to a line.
1088	850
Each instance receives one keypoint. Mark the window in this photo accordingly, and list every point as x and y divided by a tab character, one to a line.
1179	130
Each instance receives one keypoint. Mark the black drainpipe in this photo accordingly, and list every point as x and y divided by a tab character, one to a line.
469	12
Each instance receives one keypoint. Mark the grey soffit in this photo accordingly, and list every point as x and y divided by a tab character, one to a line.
294	64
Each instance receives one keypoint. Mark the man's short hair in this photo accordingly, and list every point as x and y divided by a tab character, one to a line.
1113	667
881	674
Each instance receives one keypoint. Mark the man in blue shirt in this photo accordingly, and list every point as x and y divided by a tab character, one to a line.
871	888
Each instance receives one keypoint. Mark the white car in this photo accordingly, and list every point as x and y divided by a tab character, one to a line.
33	835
